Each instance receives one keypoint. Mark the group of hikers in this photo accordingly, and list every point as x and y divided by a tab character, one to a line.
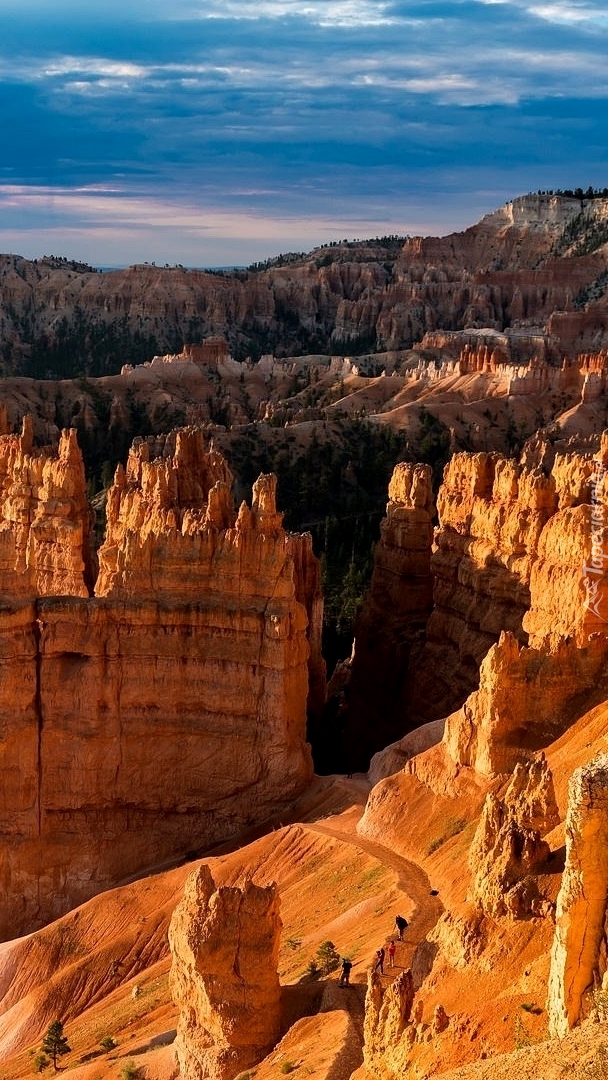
401	925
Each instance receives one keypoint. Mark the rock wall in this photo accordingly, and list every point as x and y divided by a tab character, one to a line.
169	711
393	617
526	699
225	948
517	634
528	694
506	271
579	954
513	553
45	518
491	514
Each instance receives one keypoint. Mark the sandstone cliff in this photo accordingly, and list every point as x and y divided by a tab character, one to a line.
389	1031
520	595
394	615
169	711
225	947
491	514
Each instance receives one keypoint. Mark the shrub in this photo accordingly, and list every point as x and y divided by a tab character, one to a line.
328	957
108	1043
130	1071
287	1067
41	1062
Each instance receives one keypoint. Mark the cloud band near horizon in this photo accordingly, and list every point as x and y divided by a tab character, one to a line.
179	131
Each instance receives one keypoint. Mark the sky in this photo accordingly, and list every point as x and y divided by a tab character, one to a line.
221	132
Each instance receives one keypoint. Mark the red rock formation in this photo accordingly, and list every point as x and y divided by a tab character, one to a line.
441	1020
578	958
225	947
45	518
388	1032
491	514
526	698
172	532
170	711
507	850
394	615
510	270
520	549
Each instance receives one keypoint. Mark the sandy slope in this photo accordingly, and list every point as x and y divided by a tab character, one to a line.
104	967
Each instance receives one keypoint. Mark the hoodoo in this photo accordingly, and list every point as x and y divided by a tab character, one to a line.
165	713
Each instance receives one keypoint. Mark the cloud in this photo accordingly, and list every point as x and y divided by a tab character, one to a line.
282	110
585	16
339	13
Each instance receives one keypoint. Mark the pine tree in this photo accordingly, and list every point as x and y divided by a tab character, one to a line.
55	1043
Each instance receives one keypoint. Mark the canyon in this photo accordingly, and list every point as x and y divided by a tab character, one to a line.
173	873
477	869
535	267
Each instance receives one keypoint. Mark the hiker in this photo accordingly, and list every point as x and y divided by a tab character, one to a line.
380	961
345	973
392	949
401	925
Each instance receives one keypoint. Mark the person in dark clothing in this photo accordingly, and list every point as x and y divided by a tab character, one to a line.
344	979
401	925
380	961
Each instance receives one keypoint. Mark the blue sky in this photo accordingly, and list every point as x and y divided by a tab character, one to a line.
213	132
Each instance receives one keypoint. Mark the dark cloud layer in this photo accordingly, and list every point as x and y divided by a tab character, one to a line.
261	125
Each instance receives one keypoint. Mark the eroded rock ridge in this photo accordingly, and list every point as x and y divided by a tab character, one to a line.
167	711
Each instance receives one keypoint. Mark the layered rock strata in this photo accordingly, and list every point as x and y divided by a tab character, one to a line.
516	556
509	272
579	957
394	615
225	945
526	698
491	514
528	695
169	711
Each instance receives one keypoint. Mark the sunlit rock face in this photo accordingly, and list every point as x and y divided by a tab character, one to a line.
45	518
167	712
225	946
508	849
389	1031
579	954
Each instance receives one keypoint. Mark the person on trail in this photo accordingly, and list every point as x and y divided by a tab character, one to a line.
401	925
392	949
380	961
345	973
